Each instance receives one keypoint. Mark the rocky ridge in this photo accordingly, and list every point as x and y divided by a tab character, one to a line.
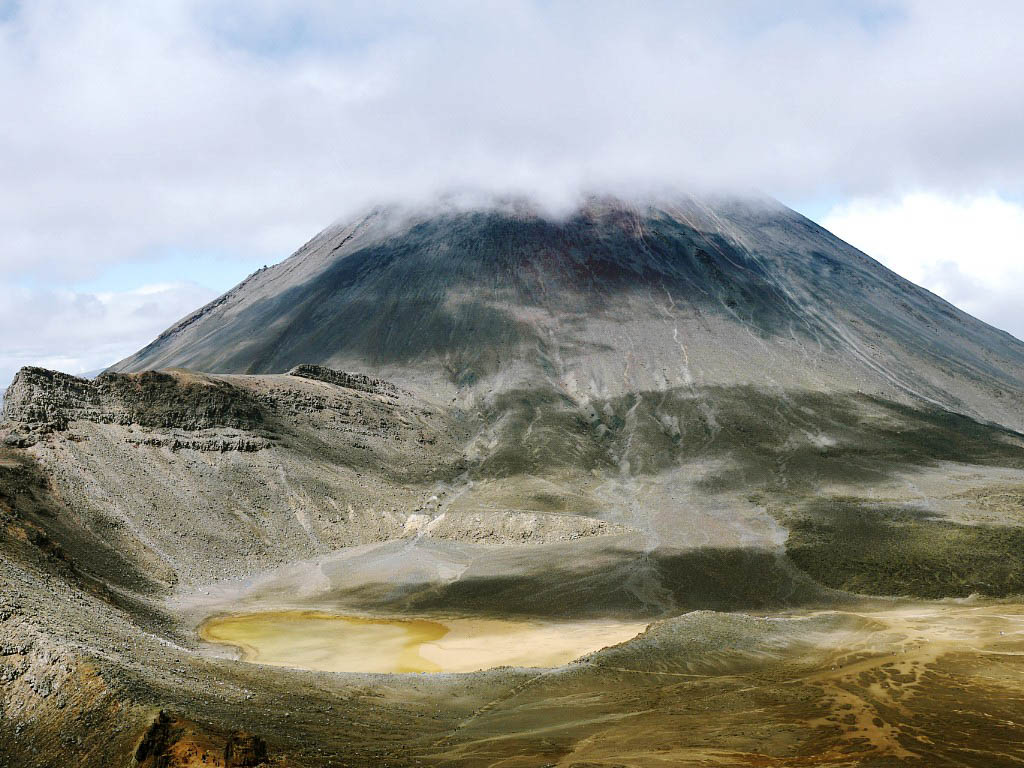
355	381
45	400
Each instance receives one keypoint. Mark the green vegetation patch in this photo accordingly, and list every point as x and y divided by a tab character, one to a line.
861	547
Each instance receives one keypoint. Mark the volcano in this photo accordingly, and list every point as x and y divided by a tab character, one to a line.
609	299
683	481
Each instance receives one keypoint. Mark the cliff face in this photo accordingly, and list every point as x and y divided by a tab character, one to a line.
40	396
357	381
615	298
50	400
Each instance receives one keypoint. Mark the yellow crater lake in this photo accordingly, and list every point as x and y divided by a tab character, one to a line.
338	643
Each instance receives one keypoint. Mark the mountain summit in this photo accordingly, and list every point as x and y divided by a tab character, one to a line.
612	298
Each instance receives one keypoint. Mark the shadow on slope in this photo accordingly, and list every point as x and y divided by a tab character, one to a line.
601	582
433	291
865	547
764	439
38	530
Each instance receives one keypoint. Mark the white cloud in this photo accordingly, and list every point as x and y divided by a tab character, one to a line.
245	127
82	332
969	250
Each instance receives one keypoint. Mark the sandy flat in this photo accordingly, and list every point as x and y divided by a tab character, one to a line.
339	643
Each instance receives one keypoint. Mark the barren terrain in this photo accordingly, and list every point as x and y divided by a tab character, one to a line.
338	643
695	484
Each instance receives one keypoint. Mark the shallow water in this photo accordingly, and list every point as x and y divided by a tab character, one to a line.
339	643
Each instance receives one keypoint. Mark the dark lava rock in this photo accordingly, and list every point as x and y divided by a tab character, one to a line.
47	401
153	749
357	381
245	750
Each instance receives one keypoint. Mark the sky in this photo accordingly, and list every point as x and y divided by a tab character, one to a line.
154	154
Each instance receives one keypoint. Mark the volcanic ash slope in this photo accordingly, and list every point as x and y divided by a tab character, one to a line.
628	413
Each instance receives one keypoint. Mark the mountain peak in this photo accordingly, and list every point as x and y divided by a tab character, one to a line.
467	296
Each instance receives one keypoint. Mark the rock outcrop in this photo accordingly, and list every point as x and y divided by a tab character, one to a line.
355	381
174	742
44	401
244	750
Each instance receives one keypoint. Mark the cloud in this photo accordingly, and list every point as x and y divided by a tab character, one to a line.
134	130
968	250
83	332
243	128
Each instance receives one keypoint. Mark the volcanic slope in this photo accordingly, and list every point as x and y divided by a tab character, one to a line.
664	414
135	506
614	298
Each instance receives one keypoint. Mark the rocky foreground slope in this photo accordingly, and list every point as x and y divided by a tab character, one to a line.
135	505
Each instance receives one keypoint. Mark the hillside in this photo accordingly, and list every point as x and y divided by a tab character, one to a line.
802	474
612	299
